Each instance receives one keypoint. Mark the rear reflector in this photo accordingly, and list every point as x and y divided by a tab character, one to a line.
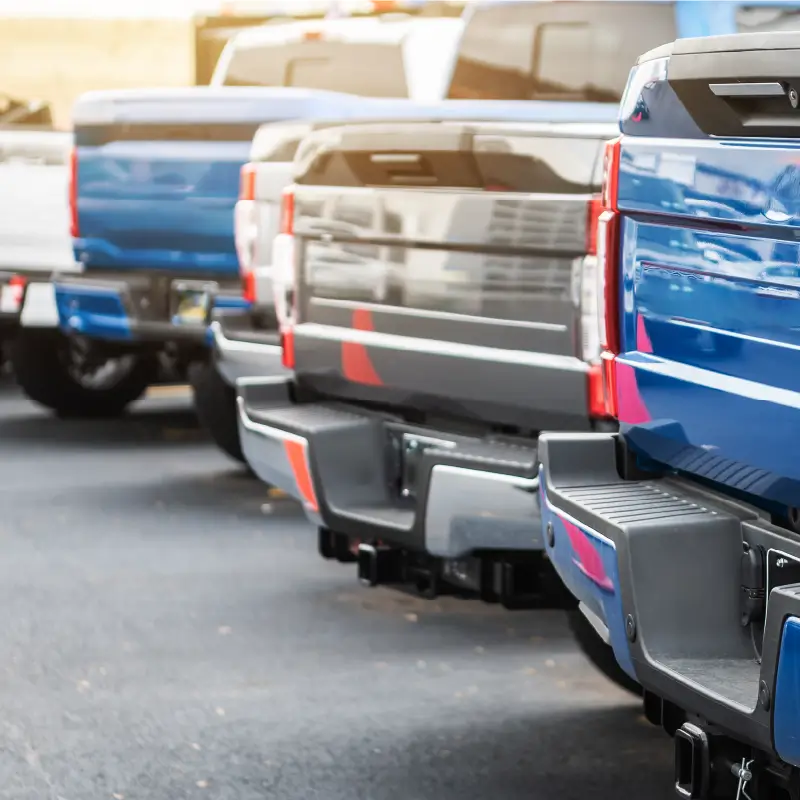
297	454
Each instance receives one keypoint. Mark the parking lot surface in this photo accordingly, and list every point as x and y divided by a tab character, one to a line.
169	632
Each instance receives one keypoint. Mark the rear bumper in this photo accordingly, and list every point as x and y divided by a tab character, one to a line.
660	563
240	351
341	463
136	308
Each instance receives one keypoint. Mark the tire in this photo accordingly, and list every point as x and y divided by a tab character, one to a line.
66	375
599	653
215	403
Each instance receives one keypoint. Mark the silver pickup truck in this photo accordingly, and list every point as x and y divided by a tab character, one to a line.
34	215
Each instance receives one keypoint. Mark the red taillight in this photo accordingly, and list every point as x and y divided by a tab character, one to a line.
594	212
607	249
12	295
600	289
284	278
608	286
611	175
247	182
249	287
287	212
74	228
287	347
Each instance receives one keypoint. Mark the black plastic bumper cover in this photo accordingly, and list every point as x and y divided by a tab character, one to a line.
338	461
660	562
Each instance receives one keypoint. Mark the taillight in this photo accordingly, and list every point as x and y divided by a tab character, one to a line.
287	212
12	295
246	232
287	348
74	228
594	211
600	289
247	182
608	252
284	278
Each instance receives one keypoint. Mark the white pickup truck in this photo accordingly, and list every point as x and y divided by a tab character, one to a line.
34	215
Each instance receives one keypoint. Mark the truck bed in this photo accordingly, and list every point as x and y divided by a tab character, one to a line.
440	261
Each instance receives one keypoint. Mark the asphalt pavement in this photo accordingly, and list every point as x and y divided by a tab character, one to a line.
169	632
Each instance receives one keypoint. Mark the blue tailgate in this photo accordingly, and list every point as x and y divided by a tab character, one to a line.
708	379
158	171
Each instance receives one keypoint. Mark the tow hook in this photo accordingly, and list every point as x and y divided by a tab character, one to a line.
709	765
379	565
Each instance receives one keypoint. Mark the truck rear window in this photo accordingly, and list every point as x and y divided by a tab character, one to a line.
571	51
370	69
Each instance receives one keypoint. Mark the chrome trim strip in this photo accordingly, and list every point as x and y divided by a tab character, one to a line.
326	302
390	341
770	89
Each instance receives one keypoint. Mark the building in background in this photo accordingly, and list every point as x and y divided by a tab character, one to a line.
54	50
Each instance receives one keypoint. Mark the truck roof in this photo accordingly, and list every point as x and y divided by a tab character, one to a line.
389	29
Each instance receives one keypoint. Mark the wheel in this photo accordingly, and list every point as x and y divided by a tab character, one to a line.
599	653
215	403
74	377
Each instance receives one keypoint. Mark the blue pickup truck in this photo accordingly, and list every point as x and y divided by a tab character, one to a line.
680	534
155	176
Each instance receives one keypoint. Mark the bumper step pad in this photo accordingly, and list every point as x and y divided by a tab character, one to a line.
661	562
339	461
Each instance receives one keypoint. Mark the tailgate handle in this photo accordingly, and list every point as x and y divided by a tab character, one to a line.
769	89
404	168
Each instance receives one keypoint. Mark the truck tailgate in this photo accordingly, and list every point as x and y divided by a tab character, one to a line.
443	272
34	214
710	292
158	172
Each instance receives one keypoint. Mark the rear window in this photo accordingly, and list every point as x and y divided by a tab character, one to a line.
757	18
370	69
571	51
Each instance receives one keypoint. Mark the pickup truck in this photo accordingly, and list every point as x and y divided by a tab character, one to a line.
435	282
432	280
154	180
34	227
678	534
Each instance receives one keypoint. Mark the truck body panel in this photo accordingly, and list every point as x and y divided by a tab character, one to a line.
158	172
34	215
679	532
469	259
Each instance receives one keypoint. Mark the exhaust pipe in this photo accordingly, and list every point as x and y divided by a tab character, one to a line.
334	546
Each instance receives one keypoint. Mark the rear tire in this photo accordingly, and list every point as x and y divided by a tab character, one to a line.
73	379
599	653
215	403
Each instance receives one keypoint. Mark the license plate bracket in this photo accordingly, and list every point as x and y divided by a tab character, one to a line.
191	302
412	449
